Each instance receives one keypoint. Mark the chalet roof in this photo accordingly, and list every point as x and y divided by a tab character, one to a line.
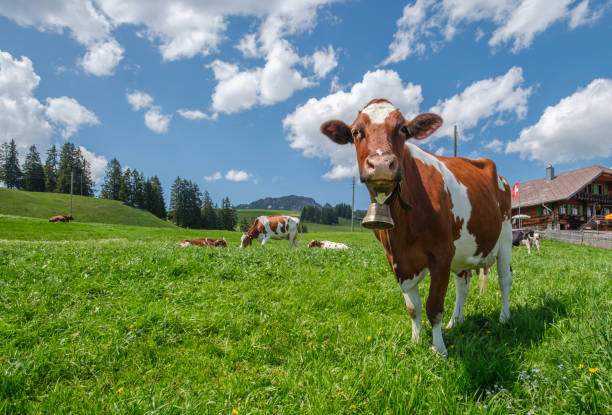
562	187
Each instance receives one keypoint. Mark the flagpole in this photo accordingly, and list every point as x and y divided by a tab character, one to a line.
518	190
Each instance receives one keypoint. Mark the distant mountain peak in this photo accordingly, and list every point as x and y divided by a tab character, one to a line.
291	202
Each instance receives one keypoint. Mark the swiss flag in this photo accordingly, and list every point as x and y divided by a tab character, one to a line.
515	191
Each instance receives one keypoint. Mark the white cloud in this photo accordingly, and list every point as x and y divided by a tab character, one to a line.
322	61
102	58
495	145
21	114
578	127
139	100
248	46
86	24
237	176
483	99
156	121
196	115
440	151
426	23
69	114
303	124
214	177
24	118
97	163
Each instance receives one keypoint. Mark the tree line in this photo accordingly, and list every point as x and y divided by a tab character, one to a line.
131	187
190	209
327	215
53	176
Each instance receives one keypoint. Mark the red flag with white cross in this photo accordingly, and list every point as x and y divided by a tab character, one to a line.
515	191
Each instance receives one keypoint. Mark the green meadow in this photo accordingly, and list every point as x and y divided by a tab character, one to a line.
117	319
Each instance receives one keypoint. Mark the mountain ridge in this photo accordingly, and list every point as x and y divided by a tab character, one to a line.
290	202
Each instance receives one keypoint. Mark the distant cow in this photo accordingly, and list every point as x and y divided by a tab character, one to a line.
203	242
272	227
61	218
525	237
327	245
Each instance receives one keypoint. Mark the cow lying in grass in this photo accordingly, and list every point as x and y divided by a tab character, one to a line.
327	245
61	218
203	242
272	227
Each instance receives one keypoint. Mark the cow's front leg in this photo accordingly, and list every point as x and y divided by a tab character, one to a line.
435	304
410	288
462	287
263	242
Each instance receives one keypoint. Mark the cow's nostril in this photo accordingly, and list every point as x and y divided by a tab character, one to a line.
369	164
392	164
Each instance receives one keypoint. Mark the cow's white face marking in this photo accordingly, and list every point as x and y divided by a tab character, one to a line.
465	246
379	152
378	111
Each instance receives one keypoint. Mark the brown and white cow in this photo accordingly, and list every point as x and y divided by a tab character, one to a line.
327	245
202	242
60	218
451	214
272	227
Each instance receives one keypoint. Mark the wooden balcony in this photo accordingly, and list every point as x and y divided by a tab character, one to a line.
590	197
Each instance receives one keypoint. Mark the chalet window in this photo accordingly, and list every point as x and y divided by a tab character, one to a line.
589	212
539	210
580	210
596	189
605	189
575	208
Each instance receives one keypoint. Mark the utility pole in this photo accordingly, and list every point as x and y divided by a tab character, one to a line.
353	208
455	150
71	181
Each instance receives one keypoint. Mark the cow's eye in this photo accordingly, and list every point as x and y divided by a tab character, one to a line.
356	134
404	130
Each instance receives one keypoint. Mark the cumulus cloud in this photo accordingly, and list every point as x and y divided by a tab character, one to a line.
482	99
97	164
494	145
84	21
578	127
156	121
139	100
69	115
24	118
213	177
196	115
248	46
426	23
322	61
237	176
302	126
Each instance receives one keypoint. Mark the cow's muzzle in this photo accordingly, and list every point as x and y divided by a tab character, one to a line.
381	172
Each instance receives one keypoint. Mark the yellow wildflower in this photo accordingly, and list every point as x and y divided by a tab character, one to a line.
234	412
167	298
131	326
120	391
369	338
352	406
580	366
380	390
593	369
416	378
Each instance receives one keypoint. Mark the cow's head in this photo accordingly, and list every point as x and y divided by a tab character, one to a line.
221	242
379	133
314	243
245	241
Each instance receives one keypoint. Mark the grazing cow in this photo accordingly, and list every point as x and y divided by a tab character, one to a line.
61	218
535	240
327	245
272	227
527	238
203	242
451	214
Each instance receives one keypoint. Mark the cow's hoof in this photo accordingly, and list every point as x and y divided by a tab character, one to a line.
504	317
440	352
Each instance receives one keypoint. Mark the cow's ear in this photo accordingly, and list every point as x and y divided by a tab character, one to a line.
337	131
424	125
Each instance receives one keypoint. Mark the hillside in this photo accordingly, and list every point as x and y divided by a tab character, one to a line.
84	209
291	202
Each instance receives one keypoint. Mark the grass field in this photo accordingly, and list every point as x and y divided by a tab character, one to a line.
101	318
84	209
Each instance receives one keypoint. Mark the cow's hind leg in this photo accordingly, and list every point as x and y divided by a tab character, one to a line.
504	271
462	287
410	289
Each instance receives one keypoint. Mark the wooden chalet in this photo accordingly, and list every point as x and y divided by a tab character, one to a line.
577	199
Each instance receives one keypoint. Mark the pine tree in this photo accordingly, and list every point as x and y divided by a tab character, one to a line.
209	214
82	175
33	172
11	172
126	190
51	170
229	218
154	197
72	162
112	181
65	167
186	203
138	189
328	217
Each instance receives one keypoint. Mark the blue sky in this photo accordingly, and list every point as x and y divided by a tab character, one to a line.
230	94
